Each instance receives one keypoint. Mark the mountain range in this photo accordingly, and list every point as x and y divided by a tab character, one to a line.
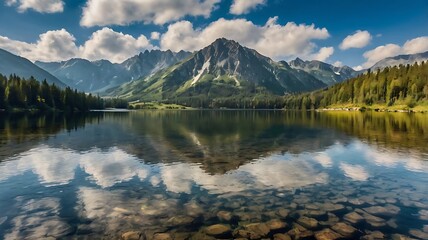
98	76
222	69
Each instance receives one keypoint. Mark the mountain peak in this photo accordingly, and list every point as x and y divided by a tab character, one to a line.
225	42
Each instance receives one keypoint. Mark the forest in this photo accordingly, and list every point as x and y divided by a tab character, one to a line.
404	85
20	93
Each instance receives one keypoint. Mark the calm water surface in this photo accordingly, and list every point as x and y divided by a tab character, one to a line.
262	174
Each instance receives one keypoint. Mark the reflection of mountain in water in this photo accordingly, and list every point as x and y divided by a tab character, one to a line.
217	140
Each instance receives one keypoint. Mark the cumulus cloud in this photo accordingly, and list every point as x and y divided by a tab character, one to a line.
273	40
379	53
338	64
54	45
359	39
155	35
119	12
416	45
323	54
42	6
114	46
60	45
244	6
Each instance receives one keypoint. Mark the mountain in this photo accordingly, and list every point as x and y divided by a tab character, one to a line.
222	69
401	59
325	72
98	76
85	75
150	62
22	67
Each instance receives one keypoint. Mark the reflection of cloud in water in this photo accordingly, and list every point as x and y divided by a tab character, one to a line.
275	172
388	159
324	160
283	173
38	219
57	166
111	210
355	172
114	166
53	166
179	178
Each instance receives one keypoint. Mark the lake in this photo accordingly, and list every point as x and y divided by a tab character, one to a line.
214	174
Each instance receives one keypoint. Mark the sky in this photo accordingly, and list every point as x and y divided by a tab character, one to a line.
340	32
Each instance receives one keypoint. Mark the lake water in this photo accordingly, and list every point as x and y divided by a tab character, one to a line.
178	174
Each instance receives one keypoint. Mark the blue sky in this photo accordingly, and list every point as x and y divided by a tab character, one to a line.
54	30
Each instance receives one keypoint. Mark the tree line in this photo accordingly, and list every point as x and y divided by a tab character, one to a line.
20	93
399	85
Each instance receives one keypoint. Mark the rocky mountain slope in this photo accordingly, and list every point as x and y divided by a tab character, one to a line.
98	76
325	72
222	69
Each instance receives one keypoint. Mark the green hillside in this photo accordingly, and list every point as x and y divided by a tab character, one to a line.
398	87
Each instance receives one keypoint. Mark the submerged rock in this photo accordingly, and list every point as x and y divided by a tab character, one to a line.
332	219
383	211
224	216
356	202
419	234
254	231
371	219
307	222
280	236
400	237
162	236
283	213
330	207
180	220
276	224
374	236
423	215
344	229
132	235
218	230
327	234
353	217
299	231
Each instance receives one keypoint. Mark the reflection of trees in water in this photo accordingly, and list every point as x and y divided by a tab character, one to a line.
218	140
19	132
402	131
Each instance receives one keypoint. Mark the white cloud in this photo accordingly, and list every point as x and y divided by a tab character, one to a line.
416	45
412	46
338	64
358	68
273	40
119	12
379	53
244	6
155	35
114	46
60	45
359	39
42	6
323	54
52	46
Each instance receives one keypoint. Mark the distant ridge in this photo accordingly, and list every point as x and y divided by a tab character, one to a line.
22	67
401	59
